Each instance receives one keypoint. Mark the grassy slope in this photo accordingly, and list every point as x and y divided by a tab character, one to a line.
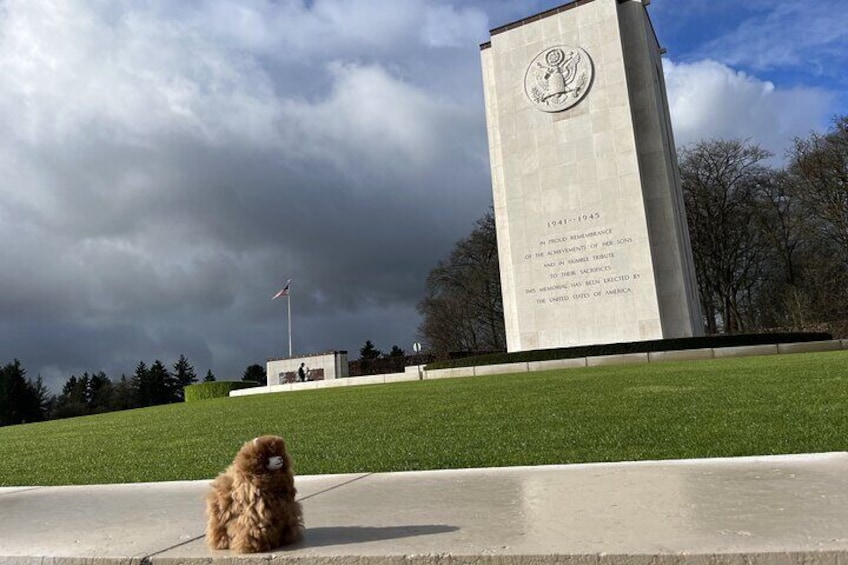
779	404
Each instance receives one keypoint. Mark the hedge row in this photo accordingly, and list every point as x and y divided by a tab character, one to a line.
214	389
677	344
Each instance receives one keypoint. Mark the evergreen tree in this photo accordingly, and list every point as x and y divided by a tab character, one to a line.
123	395
141	385
162	384
368	352
43	397
209	378
100	391
184	375
5	400
70	391
368	356
72	401
255	373
19	401
394	362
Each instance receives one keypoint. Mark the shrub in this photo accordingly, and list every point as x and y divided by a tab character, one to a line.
214	389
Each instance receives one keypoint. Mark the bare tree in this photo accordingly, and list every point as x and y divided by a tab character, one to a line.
721	181
462	309
818	173
819	166
781	223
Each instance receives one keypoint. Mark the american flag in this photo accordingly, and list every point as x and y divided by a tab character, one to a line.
283	291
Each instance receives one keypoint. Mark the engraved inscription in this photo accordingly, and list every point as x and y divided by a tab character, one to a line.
584	263
558	78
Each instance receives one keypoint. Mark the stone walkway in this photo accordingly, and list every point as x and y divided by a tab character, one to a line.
781	509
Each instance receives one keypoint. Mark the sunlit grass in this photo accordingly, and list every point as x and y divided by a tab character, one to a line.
727	407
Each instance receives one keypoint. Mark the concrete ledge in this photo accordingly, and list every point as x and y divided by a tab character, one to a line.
247	392
809	346
402	377
554	364
308	385
330	383
501	369
450	373
260	390
681	355
335	383
435	374
622	359
369	380
845	344
746	351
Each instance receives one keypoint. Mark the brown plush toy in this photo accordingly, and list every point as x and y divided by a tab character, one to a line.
251	506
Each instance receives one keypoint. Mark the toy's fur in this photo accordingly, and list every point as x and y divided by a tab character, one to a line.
251	506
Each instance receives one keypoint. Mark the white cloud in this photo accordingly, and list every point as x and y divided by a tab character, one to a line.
371	121
708	99
293	29
69	70
445	26
805	33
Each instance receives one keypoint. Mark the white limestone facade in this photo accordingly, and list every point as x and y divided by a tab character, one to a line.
592	232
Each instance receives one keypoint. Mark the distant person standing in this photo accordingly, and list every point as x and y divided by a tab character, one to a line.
301	372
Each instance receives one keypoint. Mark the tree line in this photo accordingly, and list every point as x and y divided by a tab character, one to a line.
23	400
373	361
770	247
770	244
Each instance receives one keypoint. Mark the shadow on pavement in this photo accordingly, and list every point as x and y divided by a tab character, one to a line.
345	535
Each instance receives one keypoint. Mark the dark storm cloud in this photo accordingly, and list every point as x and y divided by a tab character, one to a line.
169	166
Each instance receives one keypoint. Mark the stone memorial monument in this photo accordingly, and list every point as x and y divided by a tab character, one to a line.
592	235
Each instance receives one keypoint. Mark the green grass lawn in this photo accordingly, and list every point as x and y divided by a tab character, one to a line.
729	407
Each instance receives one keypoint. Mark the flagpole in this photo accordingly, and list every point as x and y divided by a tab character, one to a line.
286	291
288	297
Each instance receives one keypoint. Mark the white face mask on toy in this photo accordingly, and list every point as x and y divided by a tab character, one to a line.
275	463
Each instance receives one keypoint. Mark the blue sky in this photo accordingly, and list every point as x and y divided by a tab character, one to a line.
792	44
168	165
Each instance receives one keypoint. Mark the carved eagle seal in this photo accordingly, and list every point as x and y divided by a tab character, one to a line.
558	78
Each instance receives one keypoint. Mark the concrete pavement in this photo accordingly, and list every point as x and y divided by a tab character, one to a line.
782	509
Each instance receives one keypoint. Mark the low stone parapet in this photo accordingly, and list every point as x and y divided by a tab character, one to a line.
411	373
